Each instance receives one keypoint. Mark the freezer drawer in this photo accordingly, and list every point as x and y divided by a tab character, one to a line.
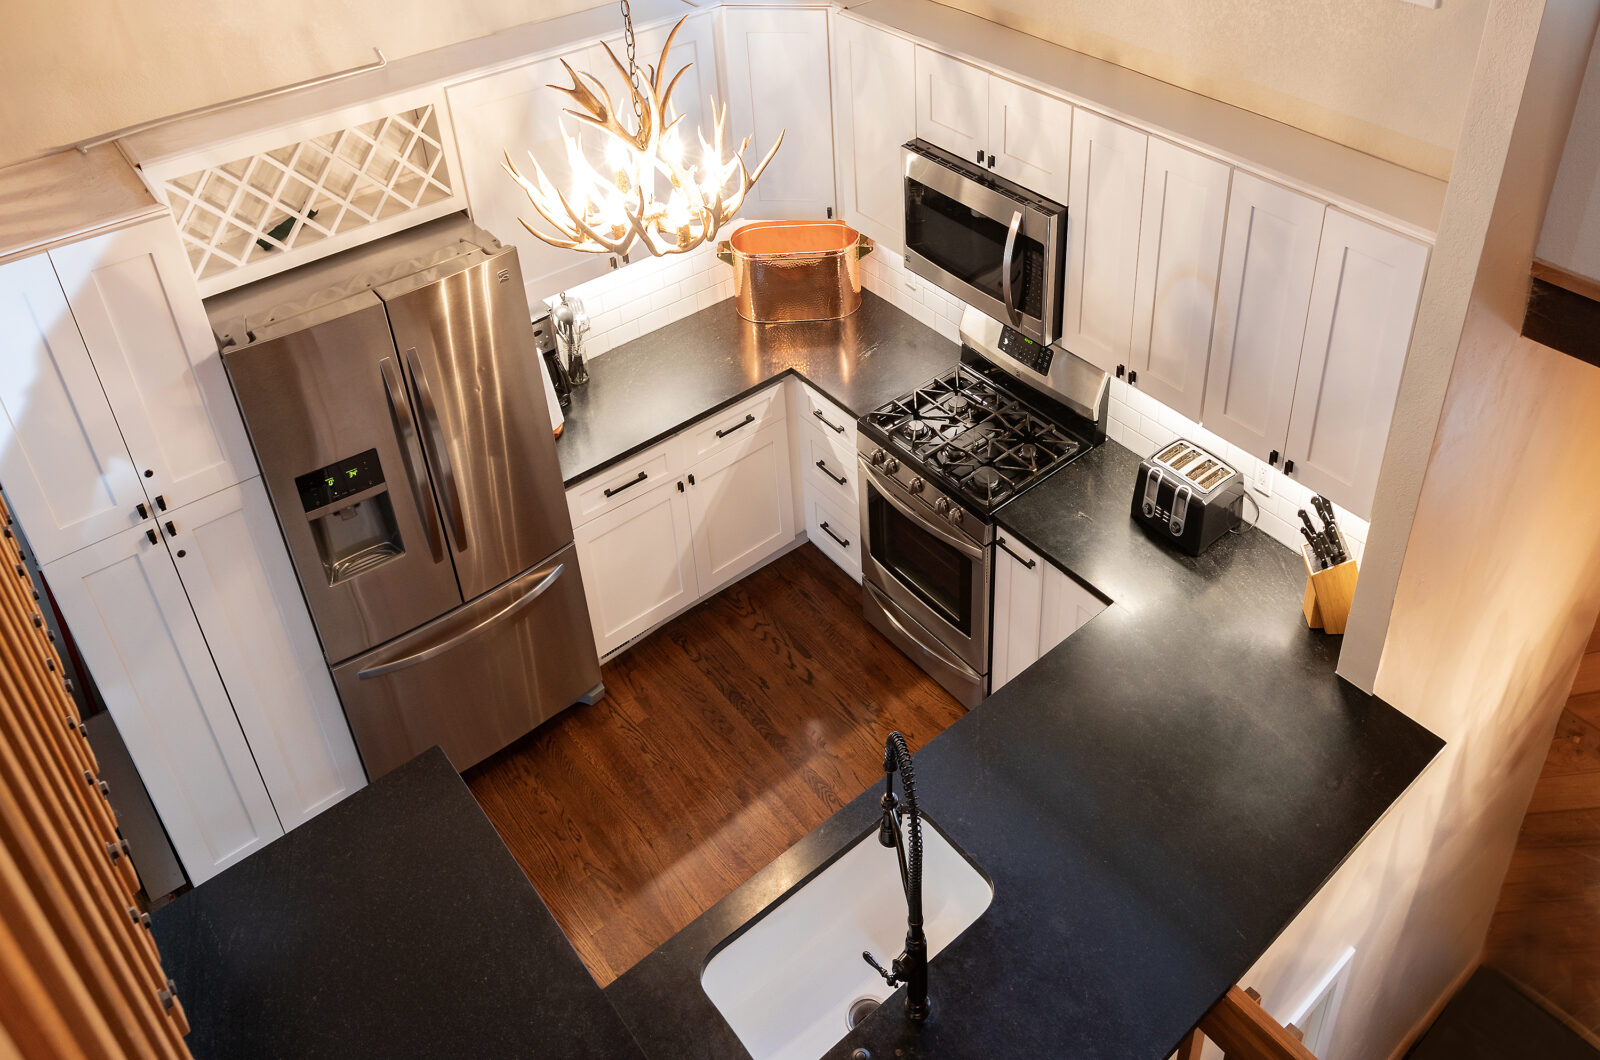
478	678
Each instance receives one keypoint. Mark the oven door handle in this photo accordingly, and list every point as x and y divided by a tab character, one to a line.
1005	268
886	487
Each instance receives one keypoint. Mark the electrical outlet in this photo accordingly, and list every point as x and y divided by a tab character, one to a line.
1263	481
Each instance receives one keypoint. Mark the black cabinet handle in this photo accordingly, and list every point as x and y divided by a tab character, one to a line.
1288	467
1025	562
749	418
680	487
151	534
627	485
1272	458
980	156
144	512
1122	370
1133	377
991	161
691	480
842	542
161	501
172	528
834	427
840	479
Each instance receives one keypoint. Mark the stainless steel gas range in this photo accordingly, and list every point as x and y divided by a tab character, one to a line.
938	464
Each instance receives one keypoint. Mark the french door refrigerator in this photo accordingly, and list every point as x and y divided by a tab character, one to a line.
399	417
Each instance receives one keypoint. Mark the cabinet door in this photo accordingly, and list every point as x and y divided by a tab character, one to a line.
1269	254
1104	203
1363	303
1030	138
514	112
638	564
236	571
775	64
64	465
741	506
874	113
137	306
1175	290
952	105
1018	608
127	610
1067	607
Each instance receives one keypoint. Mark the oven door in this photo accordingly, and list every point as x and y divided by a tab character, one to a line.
936	575
999	254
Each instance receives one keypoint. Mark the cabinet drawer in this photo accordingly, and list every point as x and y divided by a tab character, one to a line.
731	426
823	414
619	484
836	531
829	469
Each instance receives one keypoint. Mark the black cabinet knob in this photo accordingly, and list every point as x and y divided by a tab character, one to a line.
144	512
172	528
161	501
1272	458
1288	467
151	534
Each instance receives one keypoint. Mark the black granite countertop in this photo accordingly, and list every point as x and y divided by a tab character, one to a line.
647	389
395	924
1154	801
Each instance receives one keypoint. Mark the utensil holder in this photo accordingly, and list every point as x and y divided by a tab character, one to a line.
1328	594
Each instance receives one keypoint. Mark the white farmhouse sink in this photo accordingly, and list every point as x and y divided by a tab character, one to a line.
786	984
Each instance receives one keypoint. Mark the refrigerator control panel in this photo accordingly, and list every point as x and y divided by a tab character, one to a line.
338	480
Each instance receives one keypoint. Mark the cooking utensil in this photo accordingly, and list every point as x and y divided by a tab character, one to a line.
572	324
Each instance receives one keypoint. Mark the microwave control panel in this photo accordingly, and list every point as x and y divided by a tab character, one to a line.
1025	351
338	480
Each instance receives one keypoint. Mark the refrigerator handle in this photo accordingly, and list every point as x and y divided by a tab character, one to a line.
438	450
405	430
433	650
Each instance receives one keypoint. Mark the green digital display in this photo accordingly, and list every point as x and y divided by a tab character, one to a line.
338	480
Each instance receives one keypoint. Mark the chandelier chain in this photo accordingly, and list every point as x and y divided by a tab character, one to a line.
633	64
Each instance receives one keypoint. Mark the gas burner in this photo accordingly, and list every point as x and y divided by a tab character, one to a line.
917	430
988	483
959	407
1028	453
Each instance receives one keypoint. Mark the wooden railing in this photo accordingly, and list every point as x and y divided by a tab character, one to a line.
1244	1031
79	971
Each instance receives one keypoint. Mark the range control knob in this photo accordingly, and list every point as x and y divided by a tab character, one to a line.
891	465
942	506
955	515
878	457
916	485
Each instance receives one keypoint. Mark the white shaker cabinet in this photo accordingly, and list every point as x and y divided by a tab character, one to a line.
1175	284
638	563
1269	256
775	79
239	579
1363	303
952	105
874	113
1036	607
514	112
137	307
1104	206
741	506
1030	138
64	464
127	610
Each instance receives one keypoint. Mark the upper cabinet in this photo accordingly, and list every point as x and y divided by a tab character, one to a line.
1175	283
1363	303
1269	255
1021	134
775	80
1103	211
514	112
136	304
874	113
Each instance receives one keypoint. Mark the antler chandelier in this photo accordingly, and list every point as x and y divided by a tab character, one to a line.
610	207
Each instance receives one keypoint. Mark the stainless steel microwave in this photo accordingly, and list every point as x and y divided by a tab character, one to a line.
992	243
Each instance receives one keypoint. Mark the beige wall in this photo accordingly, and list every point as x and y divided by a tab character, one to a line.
1381	75
1387	77
1498	579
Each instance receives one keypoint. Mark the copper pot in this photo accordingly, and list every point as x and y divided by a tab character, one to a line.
795	270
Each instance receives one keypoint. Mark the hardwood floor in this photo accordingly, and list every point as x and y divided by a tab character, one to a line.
724	737
1545	933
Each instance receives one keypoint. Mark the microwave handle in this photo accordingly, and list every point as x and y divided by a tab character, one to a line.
1005	268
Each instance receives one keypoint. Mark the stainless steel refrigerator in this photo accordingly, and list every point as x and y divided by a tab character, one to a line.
394	398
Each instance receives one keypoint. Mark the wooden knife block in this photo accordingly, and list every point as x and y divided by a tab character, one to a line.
1328	594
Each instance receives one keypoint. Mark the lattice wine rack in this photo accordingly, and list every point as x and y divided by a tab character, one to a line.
273	209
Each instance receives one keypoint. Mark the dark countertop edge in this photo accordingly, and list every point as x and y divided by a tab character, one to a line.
709	410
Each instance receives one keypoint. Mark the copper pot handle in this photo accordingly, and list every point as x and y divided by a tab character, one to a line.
725	251
863	246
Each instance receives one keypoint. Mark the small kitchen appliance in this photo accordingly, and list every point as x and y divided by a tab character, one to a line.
1186	497
938	464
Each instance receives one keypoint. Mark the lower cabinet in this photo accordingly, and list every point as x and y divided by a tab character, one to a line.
638	564
1036	607
126	607
741	509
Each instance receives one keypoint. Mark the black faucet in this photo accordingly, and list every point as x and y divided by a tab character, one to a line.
911	967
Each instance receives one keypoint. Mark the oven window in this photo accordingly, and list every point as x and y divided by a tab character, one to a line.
935	571
970	246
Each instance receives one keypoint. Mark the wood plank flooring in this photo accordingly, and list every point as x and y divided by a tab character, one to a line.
1545	934
724	737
